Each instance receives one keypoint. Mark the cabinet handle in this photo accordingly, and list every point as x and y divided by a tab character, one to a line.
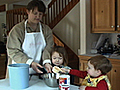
115	70
118	26
112	26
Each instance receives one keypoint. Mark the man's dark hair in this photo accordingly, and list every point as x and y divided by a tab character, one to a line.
36	3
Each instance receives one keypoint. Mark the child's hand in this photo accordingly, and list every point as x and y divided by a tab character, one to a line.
56	69
82	87
64	70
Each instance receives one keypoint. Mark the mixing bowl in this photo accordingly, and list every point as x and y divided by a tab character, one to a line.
51	79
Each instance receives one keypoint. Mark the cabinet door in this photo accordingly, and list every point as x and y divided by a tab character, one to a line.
115	77
2	67
118	15
83	67
103	16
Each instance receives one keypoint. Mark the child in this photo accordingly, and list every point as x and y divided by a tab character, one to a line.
59	57
95	77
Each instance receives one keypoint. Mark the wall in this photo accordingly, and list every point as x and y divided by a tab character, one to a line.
68	29
25	2
90	37
2	20
114	38
74	29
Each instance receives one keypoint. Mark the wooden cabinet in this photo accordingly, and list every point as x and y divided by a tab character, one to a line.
2	66
118	15
83	67
113	75
105	16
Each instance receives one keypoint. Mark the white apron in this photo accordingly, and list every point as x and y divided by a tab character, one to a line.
33	45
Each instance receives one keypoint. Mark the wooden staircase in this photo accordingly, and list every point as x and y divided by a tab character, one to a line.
57	10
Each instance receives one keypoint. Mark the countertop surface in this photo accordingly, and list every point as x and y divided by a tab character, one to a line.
34	84
112	56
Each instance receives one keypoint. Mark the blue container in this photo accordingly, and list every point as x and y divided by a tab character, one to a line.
19	75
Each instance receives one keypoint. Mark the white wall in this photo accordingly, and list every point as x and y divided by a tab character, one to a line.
68	29
74	29
25	2
90	37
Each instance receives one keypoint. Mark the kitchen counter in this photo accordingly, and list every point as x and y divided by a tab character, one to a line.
34	84
112	56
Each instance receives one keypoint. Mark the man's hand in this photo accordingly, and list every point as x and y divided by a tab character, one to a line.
48	67
35	66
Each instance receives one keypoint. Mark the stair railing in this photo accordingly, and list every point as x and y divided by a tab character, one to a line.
15	16
57	9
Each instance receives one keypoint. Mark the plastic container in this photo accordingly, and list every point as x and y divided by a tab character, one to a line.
19	75
64	82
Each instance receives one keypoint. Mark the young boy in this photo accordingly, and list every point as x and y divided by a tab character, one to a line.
95	77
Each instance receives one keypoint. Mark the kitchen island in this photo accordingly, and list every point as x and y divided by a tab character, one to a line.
34	84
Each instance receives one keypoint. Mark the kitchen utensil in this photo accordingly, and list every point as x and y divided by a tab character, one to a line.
51	79
42	69
19	75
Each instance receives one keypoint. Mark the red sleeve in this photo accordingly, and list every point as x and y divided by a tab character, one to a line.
81	74
102	85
